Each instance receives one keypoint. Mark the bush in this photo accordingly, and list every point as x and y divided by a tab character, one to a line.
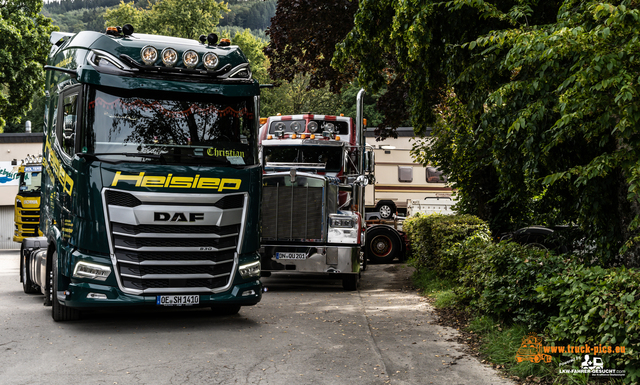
432	235
597	306
501	280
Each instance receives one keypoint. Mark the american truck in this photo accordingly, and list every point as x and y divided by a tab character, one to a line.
316	168
27	204
151	184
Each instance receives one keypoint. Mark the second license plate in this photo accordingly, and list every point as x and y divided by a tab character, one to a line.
291	255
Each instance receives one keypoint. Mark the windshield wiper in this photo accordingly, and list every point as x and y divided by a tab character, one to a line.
96	156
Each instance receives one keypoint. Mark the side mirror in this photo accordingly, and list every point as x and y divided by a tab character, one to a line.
369	160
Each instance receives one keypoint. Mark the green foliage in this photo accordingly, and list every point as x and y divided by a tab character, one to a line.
255	15
432	236
35	115
597	306
23	52
515	289
501	343
435	286
500	280
536	106
180	18
79	20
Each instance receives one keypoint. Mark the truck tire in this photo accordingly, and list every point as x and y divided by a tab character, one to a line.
350	282
386	209
27	284
382	246
59	312
226	309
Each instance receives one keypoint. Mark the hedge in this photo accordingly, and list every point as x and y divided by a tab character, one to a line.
569	302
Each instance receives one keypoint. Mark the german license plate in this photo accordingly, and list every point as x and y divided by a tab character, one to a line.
291	255
177	300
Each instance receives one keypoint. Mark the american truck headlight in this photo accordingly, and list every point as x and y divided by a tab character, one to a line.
91	271
250	270
343	228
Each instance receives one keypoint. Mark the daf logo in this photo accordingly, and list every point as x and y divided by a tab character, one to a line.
178	217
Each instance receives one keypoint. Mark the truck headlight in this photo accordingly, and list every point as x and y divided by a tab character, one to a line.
190	58
149	55
250	270
91	271
343	228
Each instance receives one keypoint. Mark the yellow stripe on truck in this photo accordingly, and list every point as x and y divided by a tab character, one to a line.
171	181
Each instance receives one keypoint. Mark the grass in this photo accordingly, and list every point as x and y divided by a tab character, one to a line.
500	345
433	286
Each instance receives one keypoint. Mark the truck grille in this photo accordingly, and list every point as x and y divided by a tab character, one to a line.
170	243
292	212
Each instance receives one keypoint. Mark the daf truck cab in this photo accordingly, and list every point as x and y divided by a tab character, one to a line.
151	181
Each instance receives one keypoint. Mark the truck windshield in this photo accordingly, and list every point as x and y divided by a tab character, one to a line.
30	183
320	157
173	128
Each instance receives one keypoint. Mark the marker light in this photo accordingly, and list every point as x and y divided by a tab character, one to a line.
312	136
270	137
312	126
210	60
293	136
169	57
190	58
224	42
149	55
113	31
303	136
263	120
337	138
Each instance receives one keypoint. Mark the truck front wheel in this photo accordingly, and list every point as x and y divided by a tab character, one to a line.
382	247
59	312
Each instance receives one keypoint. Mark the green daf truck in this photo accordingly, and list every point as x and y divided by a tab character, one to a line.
151	183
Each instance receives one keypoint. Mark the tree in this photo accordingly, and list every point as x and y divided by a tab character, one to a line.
303	36
23	52
536	103
180	18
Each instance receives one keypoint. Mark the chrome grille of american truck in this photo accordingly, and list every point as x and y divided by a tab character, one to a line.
291	213
174	243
